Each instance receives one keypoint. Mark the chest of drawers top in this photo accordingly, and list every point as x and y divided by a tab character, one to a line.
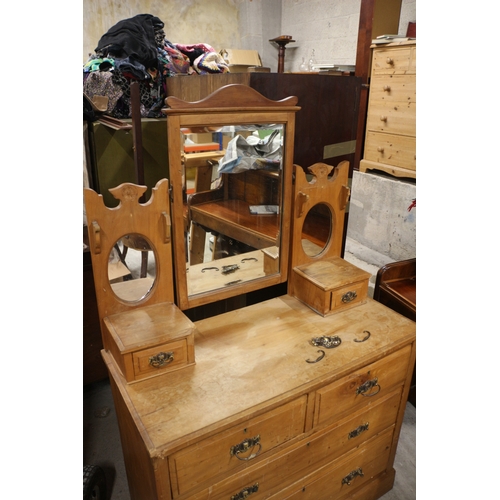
255	359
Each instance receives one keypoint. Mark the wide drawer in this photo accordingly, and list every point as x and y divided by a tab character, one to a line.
393	88
390	60
155	360
270	476
361	387
395	150
235	448
392	118
337	480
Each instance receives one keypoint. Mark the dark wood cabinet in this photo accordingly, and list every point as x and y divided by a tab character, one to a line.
396	287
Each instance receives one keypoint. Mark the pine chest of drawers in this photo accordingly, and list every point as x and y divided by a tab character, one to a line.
262	415
390	141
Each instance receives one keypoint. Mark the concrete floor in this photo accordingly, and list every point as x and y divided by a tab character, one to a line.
102	447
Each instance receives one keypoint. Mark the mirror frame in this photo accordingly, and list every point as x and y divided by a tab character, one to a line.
234	104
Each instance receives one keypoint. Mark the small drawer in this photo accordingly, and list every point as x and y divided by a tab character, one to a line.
235	448
330	285
363	386
149	341
395	150
393	61
341	477
349	295
155	360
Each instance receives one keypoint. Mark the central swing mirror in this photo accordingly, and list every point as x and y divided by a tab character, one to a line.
230	160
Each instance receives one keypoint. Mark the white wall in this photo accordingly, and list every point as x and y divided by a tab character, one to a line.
330	28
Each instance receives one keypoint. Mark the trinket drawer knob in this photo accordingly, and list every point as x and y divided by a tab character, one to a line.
246	492
383	118
349	297
380	149
356	472
368	386
389	60
161	359
244	446
387	88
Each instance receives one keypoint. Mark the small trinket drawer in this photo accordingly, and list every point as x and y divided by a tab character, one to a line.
330	285
149	341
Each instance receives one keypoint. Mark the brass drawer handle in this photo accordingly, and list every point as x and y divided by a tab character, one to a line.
357	472
356	432
368	386
244	446
161	359
349	297
246	492
328	342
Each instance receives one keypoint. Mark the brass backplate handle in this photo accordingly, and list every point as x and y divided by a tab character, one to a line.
368	386
356	432
245	492
349	297
356	472
161	359
244	446
328	342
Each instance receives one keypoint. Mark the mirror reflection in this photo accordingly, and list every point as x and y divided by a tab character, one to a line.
317	229
132	267
232	180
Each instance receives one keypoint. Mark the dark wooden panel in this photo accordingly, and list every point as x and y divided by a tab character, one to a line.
328	115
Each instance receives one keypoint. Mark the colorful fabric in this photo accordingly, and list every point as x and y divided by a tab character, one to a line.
136	49
102	83
211	62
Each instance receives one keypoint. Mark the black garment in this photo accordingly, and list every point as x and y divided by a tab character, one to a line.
132	38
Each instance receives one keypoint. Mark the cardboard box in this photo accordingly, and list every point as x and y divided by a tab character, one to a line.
240	60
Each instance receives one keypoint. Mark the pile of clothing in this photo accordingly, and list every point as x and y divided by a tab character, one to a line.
136	49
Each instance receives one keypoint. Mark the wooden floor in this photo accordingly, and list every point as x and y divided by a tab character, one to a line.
101	445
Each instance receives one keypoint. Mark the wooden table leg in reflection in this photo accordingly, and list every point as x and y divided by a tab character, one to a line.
204	164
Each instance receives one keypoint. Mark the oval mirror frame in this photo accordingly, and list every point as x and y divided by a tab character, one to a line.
132	268
230	105
317	229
